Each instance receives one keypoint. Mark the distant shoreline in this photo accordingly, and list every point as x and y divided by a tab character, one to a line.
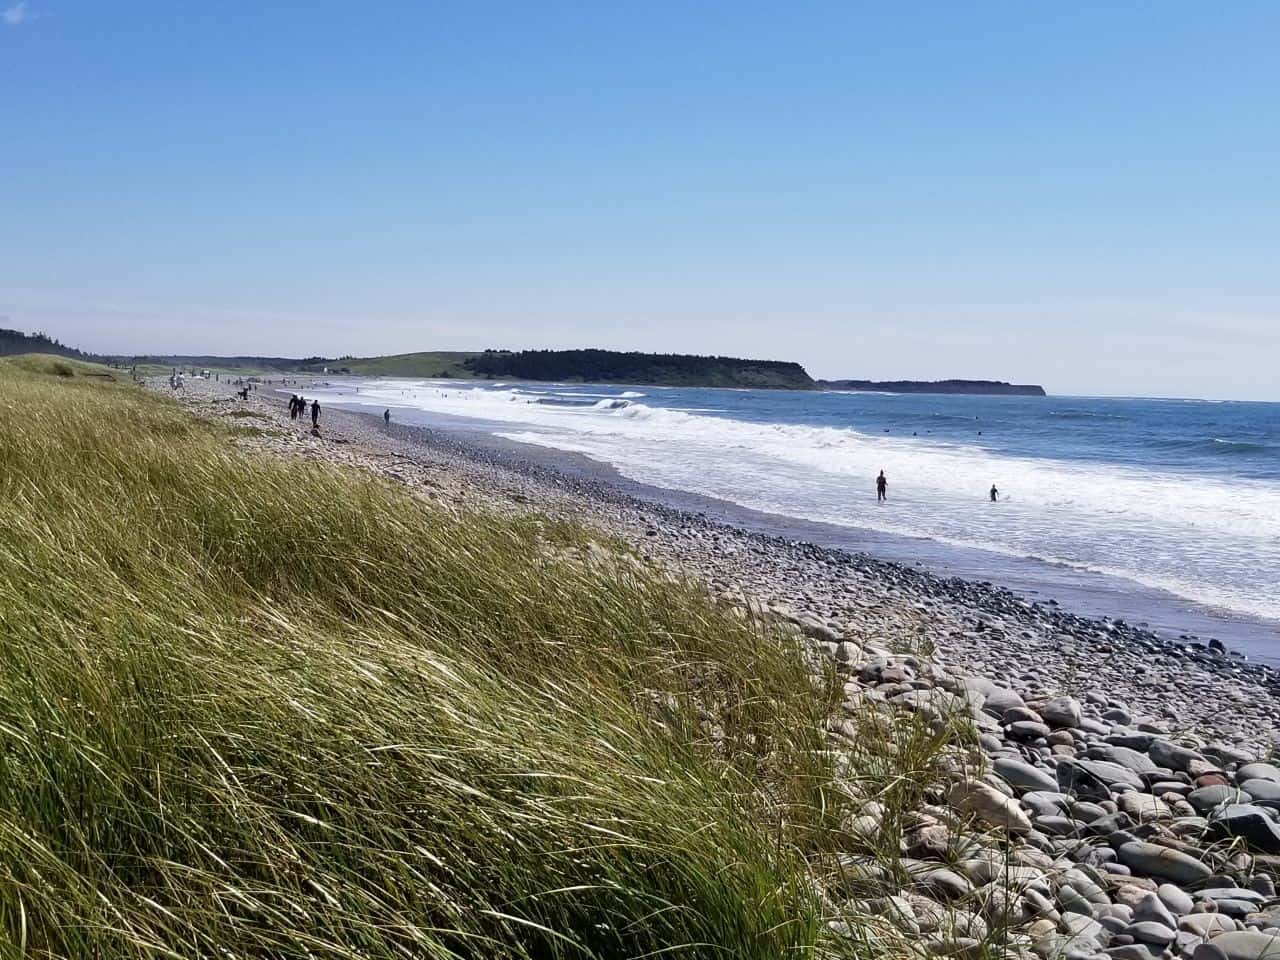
990	629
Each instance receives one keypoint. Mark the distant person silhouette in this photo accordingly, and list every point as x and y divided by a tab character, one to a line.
995	494
882	486
386	416
315	412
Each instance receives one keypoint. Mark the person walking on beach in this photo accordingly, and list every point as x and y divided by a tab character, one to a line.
995	494
293	407
315	412
386	417
882	486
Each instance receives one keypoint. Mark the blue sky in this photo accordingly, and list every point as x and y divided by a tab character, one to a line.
1084	195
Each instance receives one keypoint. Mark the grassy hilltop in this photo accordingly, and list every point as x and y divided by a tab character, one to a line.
254	707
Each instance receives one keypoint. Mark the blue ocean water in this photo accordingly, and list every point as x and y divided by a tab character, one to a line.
1180	495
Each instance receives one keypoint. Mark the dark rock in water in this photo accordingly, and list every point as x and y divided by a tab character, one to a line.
1249	822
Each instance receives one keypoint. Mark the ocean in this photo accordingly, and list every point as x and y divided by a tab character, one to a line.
1178	495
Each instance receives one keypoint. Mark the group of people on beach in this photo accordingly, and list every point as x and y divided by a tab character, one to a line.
298	408
882	489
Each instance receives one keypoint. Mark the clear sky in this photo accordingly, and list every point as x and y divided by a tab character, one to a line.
1084	195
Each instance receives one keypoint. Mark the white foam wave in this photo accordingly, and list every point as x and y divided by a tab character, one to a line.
1206	539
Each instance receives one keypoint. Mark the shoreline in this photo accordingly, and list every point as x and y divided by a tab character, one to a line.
1086	789
1094	595
1037	647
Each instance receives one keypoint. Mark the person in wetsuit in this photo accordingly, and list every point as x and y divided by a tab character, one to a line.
882	486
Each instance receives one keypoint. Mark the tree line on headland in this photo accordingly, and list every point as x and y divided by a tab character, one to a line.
565	366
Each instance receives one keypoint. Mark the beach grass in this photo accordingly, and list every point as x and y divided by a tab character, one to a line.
257	707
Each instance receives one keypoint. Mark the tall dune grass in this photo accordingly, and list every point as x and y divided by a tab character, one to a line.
259	708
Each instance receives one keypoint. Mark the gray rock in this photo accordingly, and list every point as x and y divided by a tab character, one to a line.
1060	946
1171	755
1206	925
1152	860
1248	945
1014	714
1229	893
1143	807
1249	822
1149	931
1206	798
996	699
1134	739
1082	880
1095	779
1135	760
1135	951
1174	898
1264	791
1207	951
1023	776
1235	908
1027	730
1087	811
1258	771
1061	712
1047	803
1083	925
1073	901
1152	908
1059	826
944	884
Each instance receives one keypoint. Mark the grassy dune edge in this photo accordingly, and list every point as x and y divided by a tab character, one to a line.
253	707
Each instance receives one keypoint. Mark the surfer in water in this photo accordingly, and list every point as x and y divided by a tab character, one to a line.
995	494
882	486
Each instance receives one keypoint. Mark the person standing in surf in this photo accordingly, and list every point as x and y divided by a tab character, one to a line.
882	486
995	494
386	417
